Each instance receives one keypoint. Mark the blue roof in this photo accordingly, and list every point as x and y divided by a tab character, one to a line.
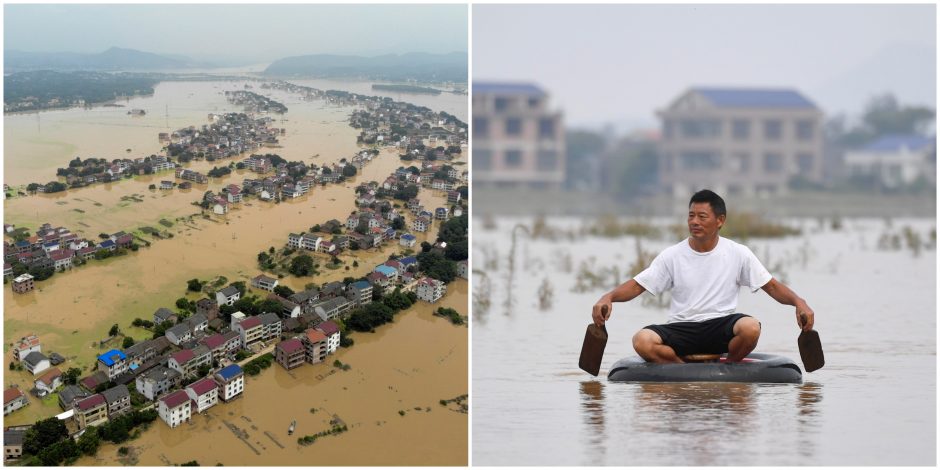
106	244
109	357
50	244
754	98
504	88
408	260
22	243
361	284
408	236
228	372
386	270
896	142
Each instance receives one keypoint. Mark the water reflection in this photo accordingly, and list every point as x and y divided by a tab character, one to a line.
808	420
592	402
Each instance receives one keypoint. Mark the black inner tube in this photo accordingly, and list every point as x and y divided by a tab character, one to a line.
762	368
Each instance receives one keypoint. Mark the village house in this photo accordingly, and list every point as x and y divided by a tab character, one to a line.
164	185
13	443
453	197
26	345
420	224
378	280
232	381
92	381
430	290
113	363
208	307
163	315
49	381
288	308
332	308
221	345
197	324
204	393
306	299
188	361
332	289
441	213
91	411
331	331
175	408
894	160
118	399
178	334
407	240
250	331
36	362
23	283
70	394
227	296
315	346
220	207
271	325
157	381
264	282
389	272
13	399
409	262
290	353
144	351
234	193
463	269
359	292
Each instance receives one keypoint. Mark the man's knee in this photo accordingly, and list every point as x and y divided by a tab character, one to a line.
645	339
748	328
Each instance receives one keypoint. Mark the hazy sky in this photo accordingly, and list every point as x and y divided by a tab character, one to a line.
622	62
257	32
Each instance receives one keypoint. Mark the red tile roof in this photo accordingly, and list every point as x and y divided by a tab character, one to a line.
11	394
48	377
91	402
315	336
204	386
215	341
290	346
251	322
184	356
328	328
175	399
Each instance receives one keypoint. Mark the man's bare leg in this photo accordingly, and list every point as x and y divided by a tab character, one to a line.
650	347
746	333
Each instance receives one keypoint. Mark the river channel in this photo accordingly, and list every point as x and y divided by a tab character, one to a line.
874	403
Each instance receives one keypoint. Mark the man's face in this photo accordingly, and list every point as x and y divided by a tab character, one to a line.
703	224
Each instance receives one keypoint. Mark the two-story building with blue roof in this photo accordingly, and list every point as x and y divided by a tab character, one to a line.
359	292
517	140
739	141
895	160
113	363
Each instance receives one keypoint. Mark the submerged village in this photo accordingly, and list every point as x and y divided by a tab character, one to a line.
199	351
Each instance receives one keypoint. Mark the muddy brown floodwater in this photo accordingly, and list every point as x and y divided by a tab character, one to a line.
73	310
408	366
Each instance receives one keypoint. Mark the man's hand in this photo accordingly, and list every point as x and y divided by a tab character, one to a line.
804	312
601	311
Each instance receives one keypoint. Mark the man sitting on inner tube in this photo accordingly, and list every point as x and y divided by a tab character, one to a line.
704	273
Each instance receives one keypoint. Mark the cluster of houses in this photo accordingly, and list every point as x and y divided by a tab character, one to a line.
54	248
255	103
227	135
99	170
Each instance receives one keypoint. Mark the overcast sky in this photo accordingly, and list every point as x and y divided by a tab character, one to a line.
621	62
256	32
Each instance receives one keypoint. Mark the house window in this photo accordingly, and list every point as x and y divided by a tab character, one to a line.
667	129
482	160
773	162
501	104
513	126
547	128
741	162
804	162
773	129
741	129
534	103
513	158
700	128
481	127
547	160
804	129
700	160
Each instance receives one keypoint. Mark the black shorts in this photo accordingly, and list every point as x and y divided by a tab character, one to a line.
690	337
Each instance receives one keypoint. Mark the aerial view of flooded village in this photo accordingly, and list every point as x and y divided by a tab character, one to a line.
238	245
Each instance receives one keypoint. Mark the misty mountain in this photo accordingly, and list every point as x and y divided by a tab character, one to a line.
414	66
906	70
112	59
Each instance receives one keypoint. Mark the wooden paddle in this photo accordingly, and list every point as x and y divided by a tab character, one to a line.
592	351
810	348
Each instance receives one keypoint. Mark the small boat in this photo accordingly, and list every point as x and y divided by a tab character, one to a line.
755	368
290	430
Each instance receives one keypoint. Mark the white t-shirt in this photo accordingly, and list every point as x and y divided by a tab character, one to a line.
704	285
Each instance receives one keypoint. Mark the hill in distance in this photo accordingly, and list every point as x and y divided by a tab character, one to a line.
411	66
112	59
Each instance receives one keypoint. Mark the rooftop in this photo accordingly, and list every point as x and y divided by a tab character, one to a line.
315	336
898	142
203	386
290	345
507	88
111	357
90	402
328	327
754	97
11	394
175	399
231	371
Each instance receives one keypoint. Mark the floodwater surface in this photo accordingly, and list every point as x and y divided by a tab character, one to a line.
874	402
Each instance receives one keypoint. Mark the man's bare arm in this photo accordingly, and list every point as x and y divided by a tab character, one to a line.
783	294
623	293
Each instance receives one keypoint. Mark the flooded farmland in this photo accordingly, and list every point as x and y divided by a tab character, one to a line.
871	282
72	311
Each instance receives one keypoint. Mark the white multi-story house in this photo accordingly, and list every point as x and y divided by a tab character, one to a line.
895	160
231	379
157	381
430	290
113	363
331	331
204	392
175	408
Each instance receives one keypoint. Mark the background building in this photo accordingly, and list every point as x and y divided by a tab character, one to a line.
517	140
739	141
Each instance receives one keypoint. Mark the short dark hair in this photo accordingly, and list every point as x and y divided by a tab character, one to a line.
714	200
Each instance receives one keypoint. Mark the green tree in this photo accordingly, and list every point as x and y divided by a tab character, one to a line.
43	434
114	330
70	377
283	291
128	342
349	171
193	285
301	266
89	441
